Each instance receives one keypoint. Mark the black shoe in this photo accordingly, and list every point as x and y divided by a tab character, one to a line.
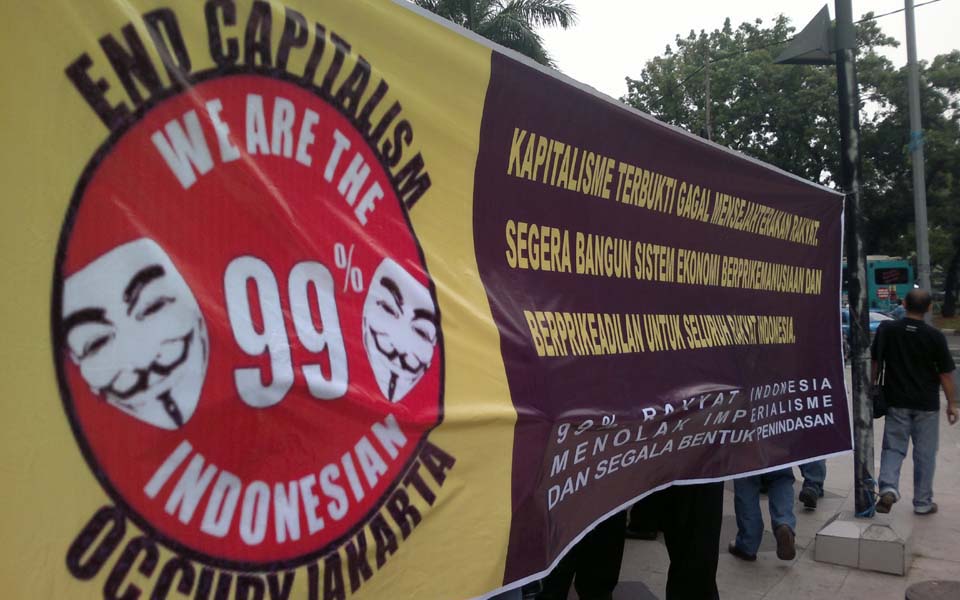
741	554
932	510
639	534
786	542
885	502
808	496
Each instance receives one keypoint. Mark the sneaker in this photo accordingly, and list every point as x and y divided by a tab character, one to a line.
786	542
886	501
925	511
741	554
808	496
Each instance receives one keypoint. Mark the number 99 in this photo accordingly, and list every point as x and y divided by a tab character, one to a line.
273	339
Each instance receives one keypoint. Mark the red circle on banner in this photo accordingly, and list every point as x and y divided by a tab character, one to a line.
247	336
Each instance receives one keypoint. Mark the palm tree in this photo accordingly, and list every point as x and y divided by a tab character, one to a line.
510	23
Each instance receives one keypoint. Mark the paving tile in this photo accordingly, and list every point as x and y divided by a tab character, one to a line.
736	577
628	590
642	556
655	585
809	580
925	569
870	584
936	536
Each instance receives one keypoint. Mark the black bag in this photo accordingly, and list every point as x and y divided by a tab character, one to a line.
876	388
876	395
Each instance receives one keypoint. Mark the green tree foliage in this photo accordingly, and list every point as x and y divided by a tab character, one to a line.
887	144
787	115
510	23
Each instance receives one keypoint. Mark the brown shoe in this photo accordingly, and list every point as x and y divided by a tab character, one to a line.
885	502
786	542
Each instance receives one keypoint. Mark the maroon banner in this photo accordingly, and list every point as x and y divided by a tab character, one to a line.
667	308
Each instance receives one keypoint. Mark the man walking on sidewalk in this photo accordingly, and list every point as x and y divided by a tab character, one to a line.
814	474
746	504
913	361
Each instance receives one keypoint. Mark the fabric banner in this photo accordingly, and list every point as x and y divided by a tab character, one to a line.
330	300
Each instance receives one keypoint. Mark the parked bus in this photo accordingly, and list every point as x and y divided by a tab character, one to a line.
889	278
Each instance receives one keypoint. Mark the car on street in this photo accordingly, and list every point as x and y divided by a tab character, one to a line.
875	319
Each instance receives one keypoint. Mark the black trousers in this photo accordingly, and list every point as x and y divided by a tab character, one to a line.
593	565
690	517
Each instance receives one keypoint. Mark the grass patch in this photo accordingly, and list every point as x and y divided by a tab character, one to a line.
945	323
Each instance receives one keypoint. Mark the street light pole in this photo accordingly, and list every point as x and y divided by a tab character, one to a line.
916	153
815	45
850	168
706	108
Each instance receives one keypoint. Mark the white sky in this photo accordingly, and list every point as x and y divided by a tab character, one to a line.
615	38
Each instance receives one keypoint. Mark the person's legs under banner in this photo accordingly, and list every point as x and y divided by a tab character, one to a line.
643	524
783	521
556	585
780	498
593	564
601	554
746	503
814	474
691	517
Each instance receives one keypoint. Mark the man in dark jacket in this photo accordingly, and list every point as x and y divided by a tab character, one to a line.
913	361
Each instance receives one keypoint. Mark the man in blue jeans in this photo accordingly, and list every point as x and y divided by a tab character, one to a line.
912	361
746	504
814	474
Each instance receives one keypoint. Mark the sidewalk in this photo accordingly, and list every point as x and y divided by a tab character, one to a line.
936	542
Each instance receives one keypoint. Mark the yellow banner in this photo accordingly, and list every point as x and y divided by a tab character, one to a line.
331	300
83	78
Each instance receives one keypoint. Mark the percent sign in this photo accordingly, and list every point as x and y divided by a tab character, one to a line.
344	261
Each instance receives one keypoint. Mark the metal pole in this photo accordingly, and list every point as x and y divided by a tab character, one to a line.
707	103
916	154
850	164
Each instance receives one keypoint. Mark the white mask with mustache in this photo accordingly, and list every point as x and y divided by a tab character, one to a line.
132	325
399	329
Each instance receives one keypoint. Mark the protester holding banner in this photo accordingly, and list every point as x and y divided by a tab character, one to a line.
592	565
690	517
643	523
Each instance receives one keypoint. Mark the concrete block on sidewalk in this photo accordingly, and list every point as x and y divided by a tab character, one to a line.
878	544
885	546
838	543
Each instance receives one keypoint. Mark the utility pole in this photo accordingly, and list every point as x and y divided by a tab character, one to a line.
706	111
817	44
850	163
916	154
